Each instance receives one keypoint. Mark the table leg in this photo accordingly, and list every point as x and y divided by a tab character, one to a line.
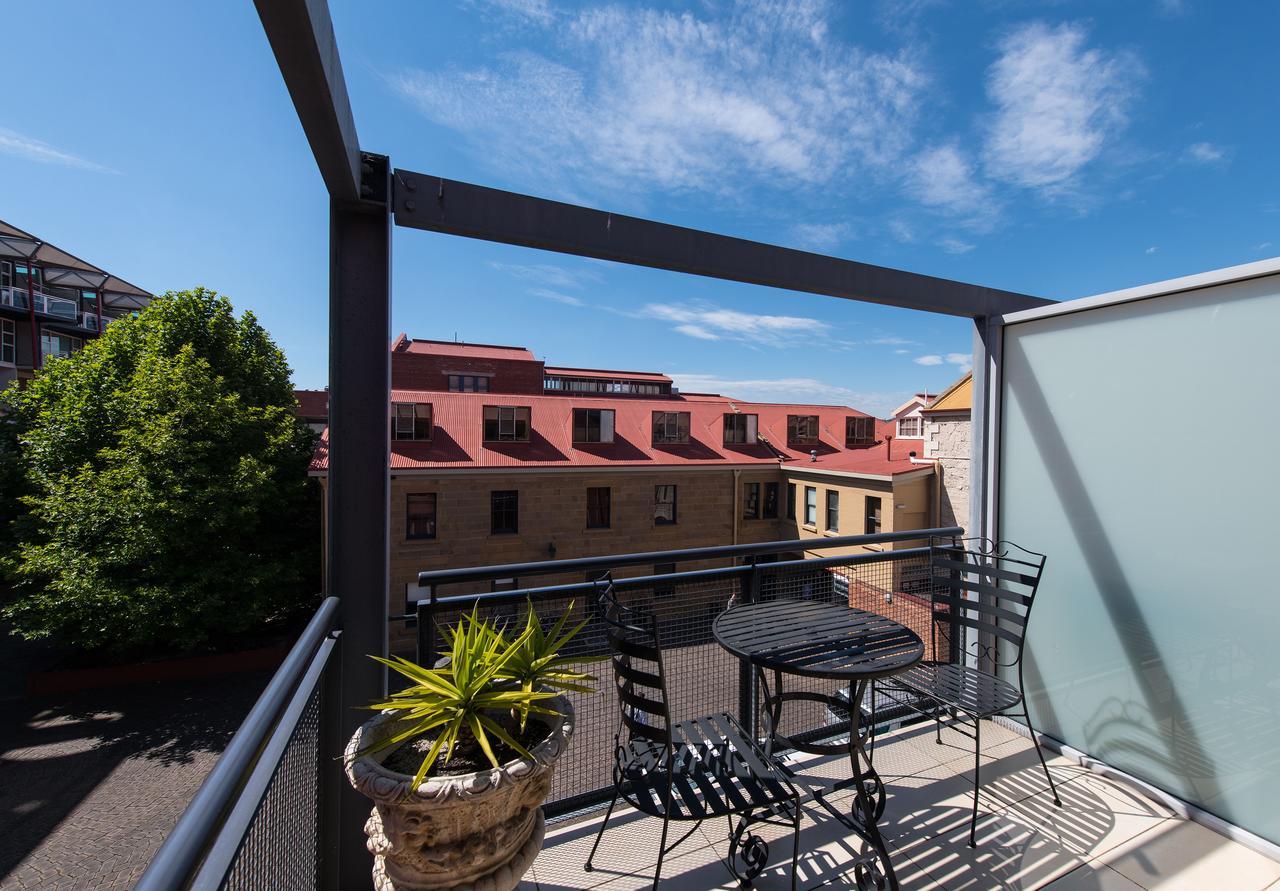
874	869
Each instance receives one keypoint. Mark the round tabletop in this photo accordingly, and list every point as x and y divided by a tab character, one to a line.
819	640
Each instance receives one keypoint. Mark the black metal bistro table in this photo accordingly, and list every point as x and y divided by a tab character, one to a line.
833	641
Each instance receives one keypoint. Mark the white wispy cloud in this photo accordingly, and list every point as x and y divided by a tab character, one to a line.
901	352
928	360
558	297
901	231
963	360
1174	8
790	389
1263	246
1152	250
1058	103
945	178
888	340
548	274
1206	153
30	149
705	321
821	236
640	98
955	246
536	11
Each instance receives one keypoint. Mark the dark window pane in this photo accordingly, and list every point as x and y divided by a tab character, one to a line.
598	507
664	505
873	515
791	501
833	511
505	512
810	506
771	500
420	516
751	501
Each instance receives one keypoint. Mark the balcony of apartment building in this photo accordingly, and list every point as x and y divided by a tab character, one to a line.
56	298
1149	669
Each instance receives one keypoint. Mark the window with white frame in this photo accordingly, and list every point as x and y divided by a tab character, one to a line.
411	420
8	343
911	427
58	345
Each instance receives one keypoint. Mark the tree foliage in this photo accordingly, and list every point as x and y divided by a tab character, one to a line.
164	478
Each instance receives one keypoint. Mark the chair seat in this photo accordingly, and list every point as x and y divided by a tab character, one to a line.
718	770
975	692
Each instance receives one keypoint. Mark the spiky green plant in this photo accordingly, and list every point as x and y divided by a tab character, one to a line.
459	702
537	664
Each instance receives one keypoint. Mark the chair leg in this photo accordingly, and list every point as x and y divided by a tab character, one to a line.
795	840
1036	739
599	835
937	724
977	780
662	841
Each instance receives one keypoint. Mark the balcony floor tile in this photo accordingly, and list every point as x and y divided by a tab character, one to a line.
1106	837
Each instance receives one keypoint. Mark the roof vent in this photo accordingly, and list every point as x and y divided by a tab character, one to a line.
813	455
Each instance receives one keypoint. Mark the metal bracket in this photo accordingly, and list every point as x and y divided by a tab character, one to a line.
375	178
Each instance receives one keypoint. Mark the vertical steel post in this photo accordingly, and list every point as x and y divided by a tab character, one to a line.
332	782
359	484
985	428
97	304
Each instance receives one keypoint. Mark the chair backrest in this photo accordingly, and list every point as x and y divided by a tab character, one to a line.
637	668
986	588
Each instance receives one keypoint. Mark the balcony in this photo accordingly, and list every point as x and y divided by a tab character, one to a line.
1112	832
45	304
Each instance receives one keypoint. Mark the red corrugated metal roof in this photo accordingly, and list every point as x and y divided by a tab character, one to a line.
458	434
468	350
562	371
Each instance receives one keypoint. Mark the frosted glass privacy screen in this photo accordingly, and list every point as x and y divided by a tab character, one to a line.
1138	451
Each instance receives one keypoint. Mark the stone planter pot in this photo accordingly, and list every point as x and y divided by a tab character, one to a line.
474	832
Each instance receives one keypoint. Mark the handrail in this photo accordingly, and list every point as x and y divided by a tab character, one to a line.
499	598
187	845
548	567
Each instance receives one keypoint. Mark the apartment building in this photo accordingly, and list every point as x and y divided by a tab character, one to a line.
497	457
51	301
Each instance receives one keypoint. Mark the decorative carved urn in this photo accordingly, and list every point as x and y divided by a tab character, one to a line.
473	832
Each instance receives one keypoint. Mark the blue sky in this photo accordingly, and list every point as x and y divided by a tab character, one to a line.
1053	148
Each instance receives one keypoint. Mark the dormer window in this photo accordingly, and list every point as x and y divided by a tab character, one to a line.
740	429
912	428
592	425
802	429
411	420
859	431
670	427
503	423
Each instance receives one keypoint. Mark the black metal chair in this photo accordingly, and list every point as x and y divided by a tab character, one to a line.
1002	579
692	770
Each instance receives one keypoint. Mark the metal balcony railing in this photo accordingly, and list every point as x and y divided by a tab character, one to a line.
267	814
46	304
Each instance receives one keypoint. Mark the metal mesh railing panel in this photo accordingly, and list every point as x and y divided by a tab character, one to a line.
281	849
702	677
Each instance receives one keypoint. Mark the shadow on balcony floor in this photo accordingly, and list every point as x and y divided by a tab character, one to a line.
1106	835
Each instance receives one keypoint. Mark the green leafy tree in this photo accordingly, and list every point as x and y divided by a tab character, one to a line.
163	472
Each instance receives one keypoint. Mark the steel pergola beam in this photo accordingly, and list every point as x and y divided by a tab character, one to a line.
301	36
424	201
